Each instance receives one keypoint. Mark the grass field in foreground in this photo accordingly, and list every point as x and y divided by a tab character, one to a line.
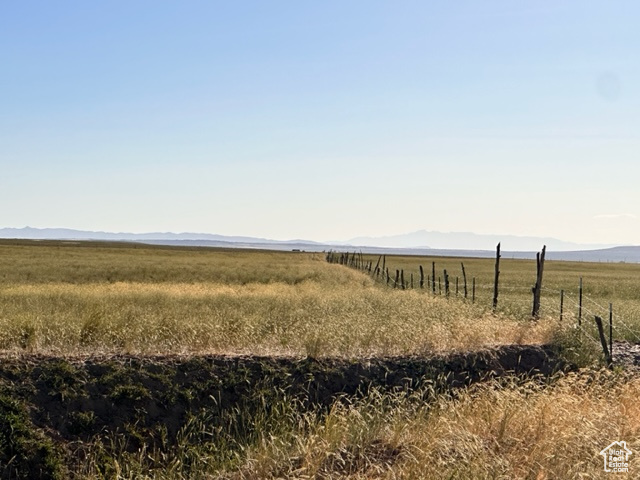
66	298
517	431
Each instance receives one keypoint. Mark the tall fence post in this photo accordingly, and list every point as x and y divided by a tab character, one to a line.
473	290
464	279
537	289
580	303
433	277
496	278
402	279
421	277
446	283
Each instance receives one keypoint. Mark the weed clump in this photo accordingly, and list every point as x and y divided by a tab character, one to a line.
25	452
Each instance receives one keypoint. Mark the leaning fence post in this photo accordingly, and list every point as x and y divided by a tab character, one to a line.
375	270
603	340
464	279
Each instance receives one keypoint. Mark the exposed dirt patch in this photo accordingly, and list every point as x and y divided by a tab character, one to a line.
627	355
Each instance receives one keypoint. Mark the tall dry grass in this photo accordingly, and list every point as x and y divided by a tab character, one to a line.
73	298
514	429
518	431
308	318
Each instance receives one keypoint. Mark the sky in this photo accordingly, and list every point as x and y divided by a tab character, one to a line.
322	120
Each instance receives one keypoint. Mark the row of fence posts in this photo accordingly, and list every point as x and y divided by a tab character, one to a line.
356	260
381	271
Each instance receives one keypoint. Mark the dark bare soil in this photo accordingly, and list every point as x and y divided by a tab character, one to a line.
48	404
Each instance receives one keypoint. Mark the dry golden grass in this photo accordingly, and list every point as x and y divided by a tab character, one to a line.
526	431
101	298
97	298
308	318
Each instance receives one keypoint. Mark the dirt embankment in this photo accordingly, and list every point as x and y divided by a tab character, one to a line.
48	404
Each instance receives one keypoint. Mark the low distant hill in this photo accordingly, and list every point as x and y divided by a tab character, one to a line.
69	234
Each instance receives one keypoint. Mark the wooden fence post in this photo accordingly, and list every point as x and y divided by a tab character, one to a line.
603	341
561	303
439	286
395	283
387	276
421	277
402	279
496	278
375	270
433	277
456	286
464	279
412	281
537	289
580	303
446	283
473	290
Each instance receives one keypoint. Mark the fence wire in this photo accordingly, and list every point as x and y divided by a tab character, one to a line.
620	322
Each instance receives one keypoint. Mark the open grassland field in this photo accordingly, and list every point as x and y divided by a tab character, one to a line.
70	298
106	368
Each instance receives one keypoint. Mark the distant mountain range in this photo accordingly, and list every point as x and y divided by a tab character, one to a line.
69	234
468	240
422	242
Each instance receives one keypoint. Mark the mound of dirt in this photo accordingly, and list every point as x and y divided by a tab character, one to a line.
49	403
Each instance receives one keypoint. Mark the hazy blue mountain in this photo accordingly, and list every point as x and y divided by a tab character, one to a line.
69	234
469	241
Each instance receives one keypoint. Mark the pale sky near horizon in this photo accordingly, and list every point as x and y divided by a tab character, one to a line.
322	120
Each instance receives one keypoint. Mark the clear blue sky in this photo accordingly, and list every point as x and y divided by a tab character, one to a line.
322	120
